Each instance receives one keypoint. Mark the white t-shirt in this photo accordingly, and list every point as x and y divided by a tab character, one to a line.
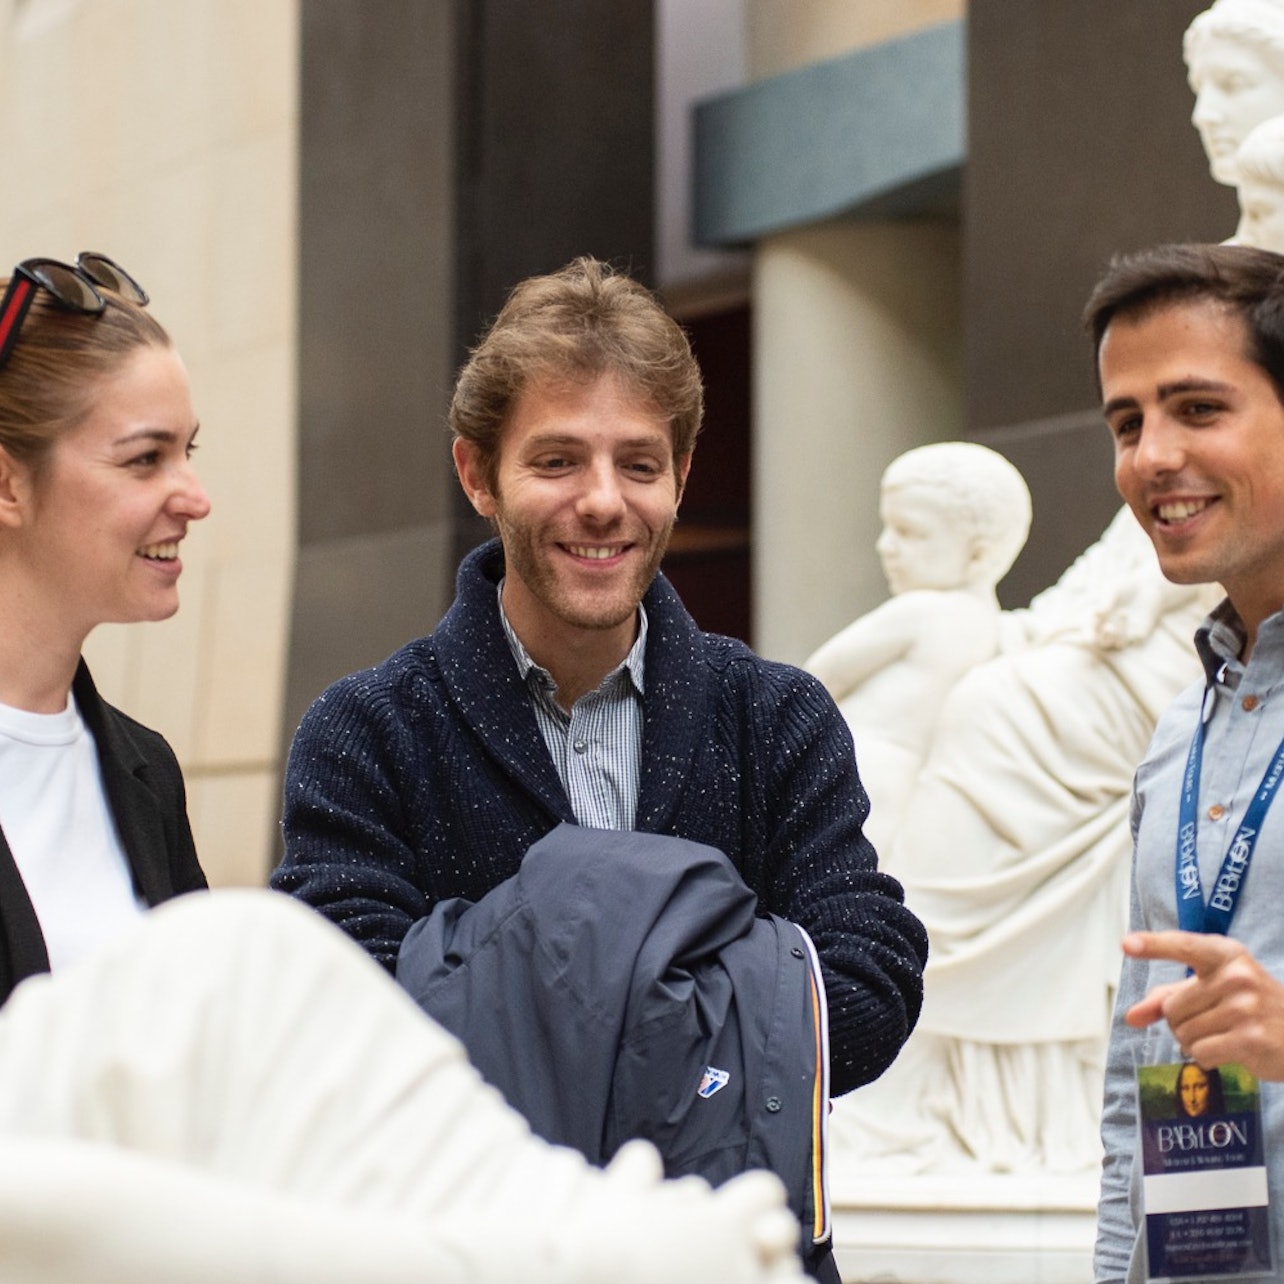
59	828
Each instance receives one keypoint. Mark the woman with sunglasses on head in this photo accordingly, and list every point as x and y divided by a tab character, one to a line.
97	492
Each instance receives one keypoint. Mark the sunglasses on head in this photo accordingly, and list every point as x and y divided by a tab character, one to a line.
73	287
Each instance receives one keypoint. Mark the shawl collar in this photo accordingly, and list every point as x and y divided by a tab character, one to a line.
478	669
675	708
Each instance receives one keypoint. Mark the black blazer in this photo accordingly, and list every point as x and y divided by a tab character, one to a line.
144	789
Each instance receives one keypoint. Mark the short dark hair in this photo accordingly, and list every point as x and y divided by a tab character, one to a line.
574	326
1247	281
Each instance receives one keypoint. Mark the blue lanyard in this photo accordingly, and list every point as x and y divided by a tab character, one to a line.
1193	914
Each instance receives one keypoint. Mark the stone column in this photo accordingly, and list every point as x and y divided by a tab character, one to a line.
857	357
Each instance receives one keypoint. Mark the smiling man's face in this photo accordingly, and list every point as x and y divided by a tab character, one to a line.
585	494
1199	448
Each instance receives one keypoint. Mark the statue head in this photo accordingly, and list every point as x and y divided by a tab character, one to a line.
955	514
1260	162
1235	60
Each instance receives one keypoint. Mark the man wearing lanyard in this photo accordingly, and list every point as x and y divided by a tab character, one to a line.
1190	359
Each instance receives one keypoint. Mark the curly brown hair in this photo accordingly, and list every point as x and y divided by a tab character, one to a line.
571	327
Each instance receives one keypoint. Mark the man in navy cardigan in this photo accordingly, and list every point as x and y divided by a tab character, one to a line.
567	682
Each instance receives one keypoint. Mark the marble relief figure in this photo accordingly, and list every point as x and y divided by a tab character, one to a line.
1011	832
1260	161
1012	841
1234	54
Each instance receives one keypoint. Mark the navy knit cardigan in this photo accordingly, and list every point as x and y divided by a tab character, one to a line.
426	777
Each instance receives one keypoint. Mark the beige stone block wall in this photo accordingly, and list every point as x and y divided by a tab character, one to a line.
785	34
857	358
164	133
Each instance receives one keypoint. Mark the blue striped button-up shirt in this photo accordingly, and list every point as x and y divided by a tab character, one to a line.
597	747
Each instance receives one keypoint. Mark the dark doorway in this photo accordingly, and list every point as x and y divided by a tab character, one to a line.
709	556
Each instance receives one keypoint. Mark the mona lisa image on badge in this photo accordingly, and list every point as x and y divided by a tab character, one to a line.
1204	1167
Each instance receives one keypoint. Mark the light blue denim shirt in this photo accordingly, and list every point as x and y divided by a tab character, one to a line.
1244	708
597	747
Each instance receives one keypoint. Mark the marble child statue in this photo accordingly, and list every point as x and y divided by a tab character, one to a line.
1261	187
1014	852
955	515
1234	54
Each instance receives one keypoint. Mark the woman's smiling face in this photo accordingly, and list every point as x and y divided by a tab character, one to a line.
107	506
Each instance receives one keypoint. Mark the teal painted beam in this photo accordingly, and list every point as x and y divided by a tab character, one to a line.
879	132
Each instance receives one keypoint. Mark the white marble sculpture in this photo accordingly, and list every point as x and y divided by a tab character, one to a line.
1014	851
1235	59
1015	846
1260	161
237	1092
955	515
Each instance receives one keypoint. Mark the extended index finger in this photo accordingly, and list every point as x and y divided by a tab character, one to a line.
1202	952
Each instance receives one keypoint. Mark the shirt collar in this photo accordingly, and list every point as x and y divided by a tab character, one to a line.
1220	643
634	664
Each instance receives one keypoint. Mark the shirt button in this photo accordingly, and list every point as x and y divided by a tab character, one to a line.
774	1105
1216	811
1248	704
580	746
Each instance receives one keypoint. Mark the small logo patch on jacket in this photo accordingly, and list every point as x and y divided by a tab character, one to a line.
713	1080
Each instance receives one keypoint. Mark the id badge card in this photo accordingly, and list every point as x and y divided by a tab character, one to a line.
1203	1154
